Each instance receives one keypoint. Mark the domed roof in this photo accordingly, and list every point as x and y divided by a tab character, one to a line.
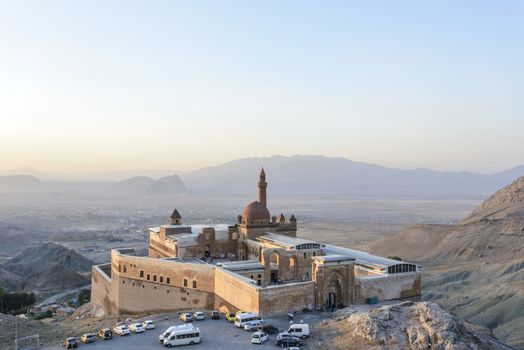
255	211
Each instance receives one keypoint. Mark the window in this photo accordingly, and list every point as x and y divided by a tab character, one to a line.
154	278
148	276
119	268
185	282
305	256
141	273
161	279
125	269
194	284
259	276
168	280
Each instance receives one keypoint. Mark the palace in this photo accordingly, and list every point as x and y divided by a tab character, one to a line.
258	264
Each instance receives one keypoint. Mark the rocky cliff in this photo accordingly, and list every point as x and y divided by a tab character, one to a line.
402	326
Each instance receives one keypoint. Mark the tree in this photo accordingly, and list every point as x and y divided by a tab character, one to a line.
84	296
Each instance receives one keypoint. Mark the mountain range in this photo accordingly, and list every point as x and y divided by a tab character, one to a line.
307	174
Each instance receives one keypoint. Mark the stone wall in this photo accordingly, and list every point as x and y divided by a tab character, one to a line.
282	298
102	291
387	287
234	292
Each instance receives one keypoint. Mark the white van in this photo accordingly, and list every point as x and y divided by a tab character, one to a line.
299	330
183	336
242	319
168	331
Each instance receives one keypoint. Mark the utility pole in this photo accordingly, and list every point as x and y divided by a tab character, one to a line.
16	335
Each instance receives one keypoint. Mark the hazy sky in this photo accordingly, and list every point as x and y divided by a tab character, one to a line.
101	85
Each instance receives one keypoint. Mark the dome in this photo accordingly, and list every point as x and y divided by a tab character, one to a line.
255	211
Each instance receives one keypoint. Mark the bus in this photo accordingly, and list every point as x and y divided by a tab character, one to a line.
183	336
242	319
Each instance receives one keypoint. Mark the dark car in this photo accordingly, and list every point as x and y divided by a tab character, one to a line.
70	343
105	333
287	340
267	328
215	315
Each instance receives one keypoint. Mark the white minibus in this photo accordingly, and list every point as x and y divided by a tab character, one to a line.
183	336
242	319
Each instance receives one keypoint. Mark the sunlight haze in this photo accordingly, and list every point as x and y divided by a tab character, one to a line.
96	86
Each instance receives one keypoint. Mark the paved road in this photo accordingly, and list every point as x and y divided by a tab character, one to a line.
54	298
216	334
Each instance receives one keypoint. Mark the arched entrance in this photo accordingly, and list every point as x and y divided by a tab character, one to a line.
274	266
293	267
207	252
334	291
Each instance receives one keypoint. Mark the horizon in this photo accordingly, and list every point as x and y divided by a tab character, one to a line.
85	176
90	86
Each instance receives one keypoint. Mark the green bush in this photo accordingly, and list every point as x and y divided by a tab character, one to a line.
84	296
16	303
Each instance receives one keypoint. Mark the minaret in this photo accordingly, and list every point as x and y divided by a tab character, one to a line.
262	184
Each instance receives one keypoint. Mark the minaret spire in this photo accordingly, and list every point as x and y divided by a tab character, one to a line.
262	184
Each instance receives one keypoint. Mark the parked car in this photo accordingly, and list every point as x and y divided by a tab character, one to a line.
70	343
267	328
148	324
105	333
87	338
230	317
253	325
215	315
186	317
299	330
137	328
286	339
259	338
199	316
121	330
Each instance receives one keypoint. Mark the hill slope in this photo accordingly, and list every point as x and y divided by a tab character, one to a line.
47	267
476	267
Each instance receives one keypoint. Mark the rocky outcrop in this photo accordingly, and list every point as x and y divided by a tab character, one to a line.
407	325
514	193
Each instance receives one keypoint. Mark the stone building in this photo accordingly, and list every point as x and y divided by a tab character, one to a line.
258	264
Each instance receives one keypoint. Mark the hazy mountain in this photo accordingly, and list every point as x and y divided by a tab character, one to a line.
137	184
145	185
167	185
20	183
286	175
476	267
319	174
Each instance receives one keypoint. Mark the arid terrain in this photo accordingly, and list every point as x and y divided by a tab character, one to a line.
474	268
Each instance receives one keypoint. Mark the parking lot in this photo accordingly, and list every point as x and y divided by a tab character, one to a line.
215	334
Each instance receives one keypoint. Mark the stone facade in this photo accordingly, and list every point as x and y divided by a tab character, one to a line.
258	265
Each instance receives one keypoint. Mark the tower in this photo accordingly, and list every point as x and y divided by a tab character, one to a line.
175	218
262	185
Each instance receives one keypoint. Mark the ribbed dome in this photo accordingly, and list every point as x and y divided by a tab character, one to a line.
255	211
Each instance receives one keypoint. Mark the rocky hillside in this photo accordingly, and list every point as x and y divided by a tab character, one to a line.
474	268
46	268
506	202
402	326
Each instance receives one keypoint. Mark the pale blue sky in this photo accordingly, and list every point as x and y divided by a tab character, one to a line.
112	85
